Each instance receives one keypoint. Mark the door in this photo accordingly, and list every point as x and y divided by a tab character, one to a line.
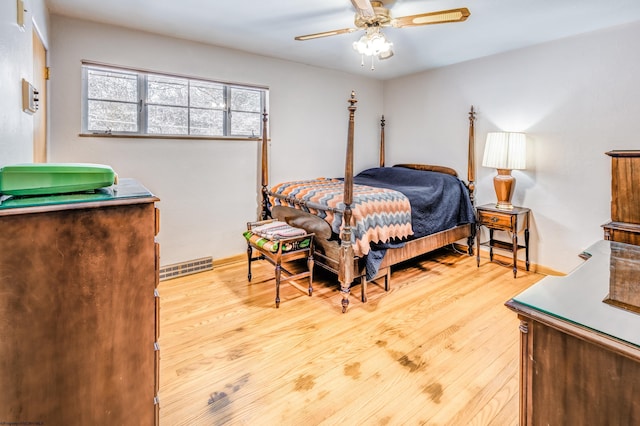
40	83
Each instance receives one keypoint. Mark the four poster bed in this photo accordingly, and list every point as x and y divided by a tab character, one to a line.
365	224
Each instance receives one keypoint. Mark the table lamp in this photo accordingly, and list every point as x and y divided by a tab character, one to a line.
505	151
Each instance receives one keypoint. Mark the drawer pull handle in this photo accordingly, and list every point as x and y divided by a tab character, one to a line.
494	219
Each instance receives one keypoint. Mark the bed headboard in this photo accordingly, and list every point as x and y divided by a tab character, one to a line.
430	168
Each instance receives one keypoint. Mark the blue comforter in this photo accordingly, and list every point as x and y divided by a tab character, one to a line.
438	202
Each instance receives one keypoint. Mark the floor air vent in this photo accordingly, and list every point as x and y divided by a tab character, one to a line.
185	268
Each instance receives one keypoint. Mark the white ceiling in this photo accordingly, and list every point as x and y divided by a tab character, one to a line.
268	27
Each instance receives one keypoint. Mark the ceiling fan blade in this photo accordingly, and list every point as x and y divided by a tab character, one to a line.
364	8
325	34
441	17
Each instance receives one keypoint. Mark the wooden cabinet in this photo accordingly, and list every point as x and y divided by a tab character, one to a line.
513	221
625	198
580	355
78	308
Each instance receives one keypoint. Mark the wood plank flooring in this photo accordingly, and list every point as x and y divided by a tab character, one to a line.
439	348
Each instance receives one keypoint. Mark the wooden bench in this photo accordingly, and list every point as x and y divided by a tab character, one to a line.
278	242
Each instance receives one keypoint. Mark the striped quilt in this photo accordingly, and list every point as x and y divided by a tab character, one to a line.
379	215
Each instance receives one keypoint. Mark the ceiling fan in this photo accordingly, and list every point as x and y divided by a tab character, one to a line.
373	15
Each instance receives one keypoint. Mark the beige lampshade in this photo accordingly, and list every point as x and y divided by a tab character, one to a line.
505	150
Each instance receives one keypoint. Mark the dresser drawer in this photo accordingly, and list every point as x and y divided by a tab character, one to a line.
495	220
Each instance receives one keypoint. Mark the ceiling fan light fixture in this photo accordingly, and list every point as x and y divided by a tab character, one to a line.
373	43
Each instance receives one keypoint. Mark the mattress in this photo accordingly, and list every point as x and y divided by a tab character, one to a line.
54	178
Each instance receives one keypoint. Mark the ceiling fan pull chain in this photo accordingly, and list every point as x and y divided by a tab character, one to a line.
362	60
372	66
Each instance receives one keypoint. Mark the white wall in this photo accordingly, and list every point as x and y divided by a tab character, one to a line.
576	99
16	63
209	189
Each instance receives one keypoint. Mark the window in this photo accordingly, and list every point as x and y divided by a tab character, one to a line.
128	102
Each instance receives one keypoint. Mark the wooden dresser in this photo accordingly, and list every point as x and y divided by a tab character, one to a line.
78	308
580	351
625	198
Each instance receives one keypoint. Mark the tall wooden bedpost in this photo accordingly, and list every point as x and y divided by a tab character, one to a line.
382	149
471	172
346	273
471	175
265	168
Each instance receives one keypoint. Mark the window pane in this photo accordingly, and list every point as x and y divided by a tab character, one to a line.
206	95
112	85
245	124
120	100
245	100
167	90
207	122
167	120
112	116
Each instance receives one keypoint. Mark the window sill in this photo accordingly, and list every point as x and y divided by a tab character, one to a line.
205	138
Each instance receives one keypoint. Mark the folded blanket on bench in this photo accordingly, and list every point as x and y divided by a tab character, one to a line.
278	230
267	236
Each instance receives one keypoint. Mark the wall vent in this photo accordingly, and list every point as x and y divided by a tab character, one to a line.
185	268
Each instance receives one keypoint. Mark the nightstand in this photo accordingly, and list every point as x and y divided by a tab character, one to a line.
513	221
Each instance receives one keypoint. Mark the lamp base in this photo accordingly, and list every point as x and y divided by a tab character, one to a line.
504	206
504	184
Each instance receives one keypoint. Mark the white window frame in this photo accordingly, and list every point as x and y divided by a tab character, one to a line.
142	110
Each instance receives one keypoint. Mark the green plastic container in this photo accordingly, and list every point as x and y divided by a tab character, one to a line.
54	178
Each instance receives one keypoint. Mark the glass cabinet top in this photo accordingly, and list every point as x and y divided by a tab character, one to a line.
125	189
601	294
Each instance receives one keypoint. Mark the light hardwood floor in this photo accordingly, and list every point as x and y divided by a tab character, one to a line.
440	348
